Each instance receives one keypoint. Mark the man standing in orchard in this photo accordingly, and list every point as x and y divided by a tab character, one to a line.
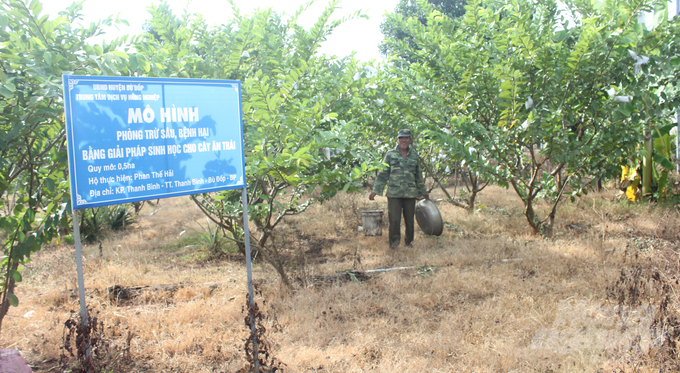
404	184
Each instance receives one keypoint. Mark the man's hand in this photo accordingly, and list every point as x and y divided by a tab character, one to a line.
371	196
426	196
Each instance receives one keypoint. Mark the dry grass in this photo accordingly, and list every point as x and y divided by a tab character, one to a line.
486	296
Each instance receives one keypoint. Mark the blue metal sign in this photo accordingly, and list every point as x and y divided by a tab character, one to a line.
134	139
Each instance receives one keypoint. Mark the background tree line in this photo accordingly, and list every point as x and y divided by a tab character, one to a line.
543	97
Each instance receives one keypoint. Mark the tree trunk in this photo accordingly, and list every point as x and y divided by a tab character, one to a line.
471	201
274	260
9	288
531	217
548	227
647	167
474	184
282	272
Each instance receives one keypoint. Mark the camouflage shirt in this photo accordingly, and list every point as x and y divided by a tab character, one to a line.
402	176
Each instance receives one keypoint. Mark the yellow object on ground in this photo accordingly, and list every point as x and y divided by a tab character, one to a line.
630	176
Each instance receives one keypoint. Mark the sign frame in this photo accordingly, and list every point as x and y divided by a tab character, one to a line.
155	105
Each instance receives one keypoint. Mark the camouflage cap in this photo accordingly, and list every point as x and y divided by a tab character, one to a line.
404	133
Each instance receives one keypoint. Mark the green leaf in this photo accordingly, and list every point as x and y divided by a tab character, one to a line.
660	14
47	56
18	209
346	187
49	185
144	64
6	92
663	130
663	161
16	275
13	300
627	109
301	151
133	62
506	84
36	7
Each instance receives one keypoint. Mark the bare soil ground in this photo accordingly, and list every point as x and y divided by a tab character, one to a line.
486	296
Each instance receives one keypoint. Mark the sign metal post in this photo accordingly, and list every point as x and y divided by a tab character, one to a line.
249	270
81	282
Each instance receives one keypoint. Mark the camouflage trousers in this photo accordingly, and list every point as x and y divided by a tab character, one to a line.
396	207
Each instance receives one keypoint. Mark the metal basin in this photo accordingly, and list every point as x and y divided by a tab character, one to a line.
428	217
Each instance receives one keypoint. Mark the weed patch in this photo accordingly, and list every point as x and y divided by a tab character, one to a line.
85	348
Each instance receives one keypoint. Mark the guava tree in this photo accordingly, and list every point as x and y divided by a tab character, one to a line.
34	200
419	94
395	33
299	135
381	115
446	151
535	85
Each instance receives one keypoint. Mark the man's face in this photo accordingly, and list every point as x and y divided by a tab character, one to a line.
404	142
